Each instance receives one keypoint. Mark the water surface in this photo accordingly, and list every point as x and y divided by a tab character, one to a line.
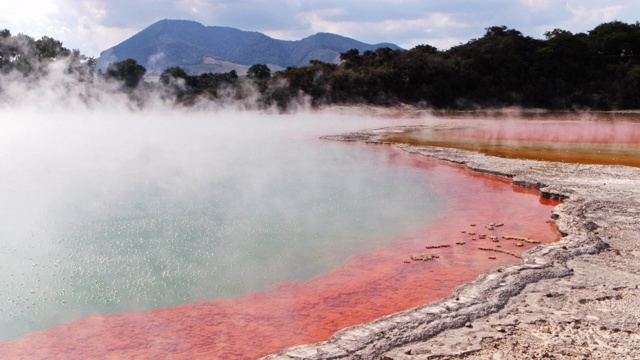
136	212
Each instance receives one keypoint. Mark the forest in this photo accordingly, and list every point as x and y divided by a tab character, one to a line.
597	70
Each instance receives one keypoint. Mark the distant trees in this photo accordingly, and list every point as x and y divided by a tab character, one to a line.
171	74
49	48
23	54
186	87
259	71
312	80
595	70
209	81
615	39
128	71
599	69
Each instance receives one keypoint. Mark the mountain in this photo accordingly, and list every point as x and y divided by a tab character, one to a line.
198	48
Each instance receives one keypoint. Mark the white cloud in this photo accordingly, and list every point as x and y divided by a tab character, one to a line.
441	43
536	5
434	22
406	32
593	15
318	23
31	17
95	9
30	12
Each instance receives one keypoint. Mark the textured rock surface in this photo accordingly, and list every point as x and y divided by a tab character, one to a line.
574	299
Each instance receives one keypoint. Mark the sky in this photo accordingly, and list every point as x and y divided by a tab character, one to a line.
96	25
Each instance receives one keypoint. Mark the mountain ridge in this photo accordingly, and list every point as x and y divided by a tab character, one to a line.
199	48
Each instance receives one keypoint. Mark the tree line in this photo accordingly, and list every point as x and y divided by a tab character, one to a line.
597	70
25	55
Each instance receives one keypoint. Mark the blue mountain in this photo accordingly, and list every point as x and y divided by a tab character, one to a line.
198	48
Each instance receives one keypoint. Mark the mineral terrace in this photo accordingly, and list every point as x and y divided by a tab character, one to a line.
574	299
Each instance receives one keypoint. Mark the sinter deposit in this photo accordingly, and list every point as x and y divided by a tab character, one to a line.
574	299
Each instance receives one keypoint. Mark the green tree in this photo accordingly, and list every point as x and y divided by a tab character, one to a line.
259	71
351	58
28	56
5	50
312	80
22	53
172	73
615	39
425	49
129	72
49	48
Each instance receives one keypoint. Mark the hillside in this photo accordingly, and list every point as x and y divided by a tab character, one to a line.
199	48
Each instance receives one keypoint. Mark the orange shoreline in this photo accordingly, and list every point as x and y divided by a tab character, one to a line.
585	142
365	287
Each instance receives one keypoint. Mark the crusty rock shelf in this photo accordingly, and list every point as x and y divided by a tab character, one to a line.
574	299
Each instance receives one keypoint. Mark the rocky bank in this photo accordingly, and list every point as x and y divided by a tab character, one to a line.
574	299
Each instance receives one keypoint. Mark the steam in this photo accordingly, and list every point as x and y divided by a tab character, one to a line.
155	62
68	82
52	88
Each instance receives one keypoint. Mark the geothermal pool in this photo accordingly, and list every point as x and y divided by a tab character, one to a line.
217	236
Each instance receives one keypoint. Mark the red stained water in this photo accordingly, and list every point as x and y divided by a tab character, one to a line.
364	288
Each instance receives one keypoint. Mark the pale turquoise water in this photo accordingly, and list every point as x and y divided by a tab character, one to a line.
138	212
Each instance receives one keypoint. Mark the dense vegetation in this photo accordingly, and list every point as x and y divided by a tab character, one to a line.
594	70
24	55
598	70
